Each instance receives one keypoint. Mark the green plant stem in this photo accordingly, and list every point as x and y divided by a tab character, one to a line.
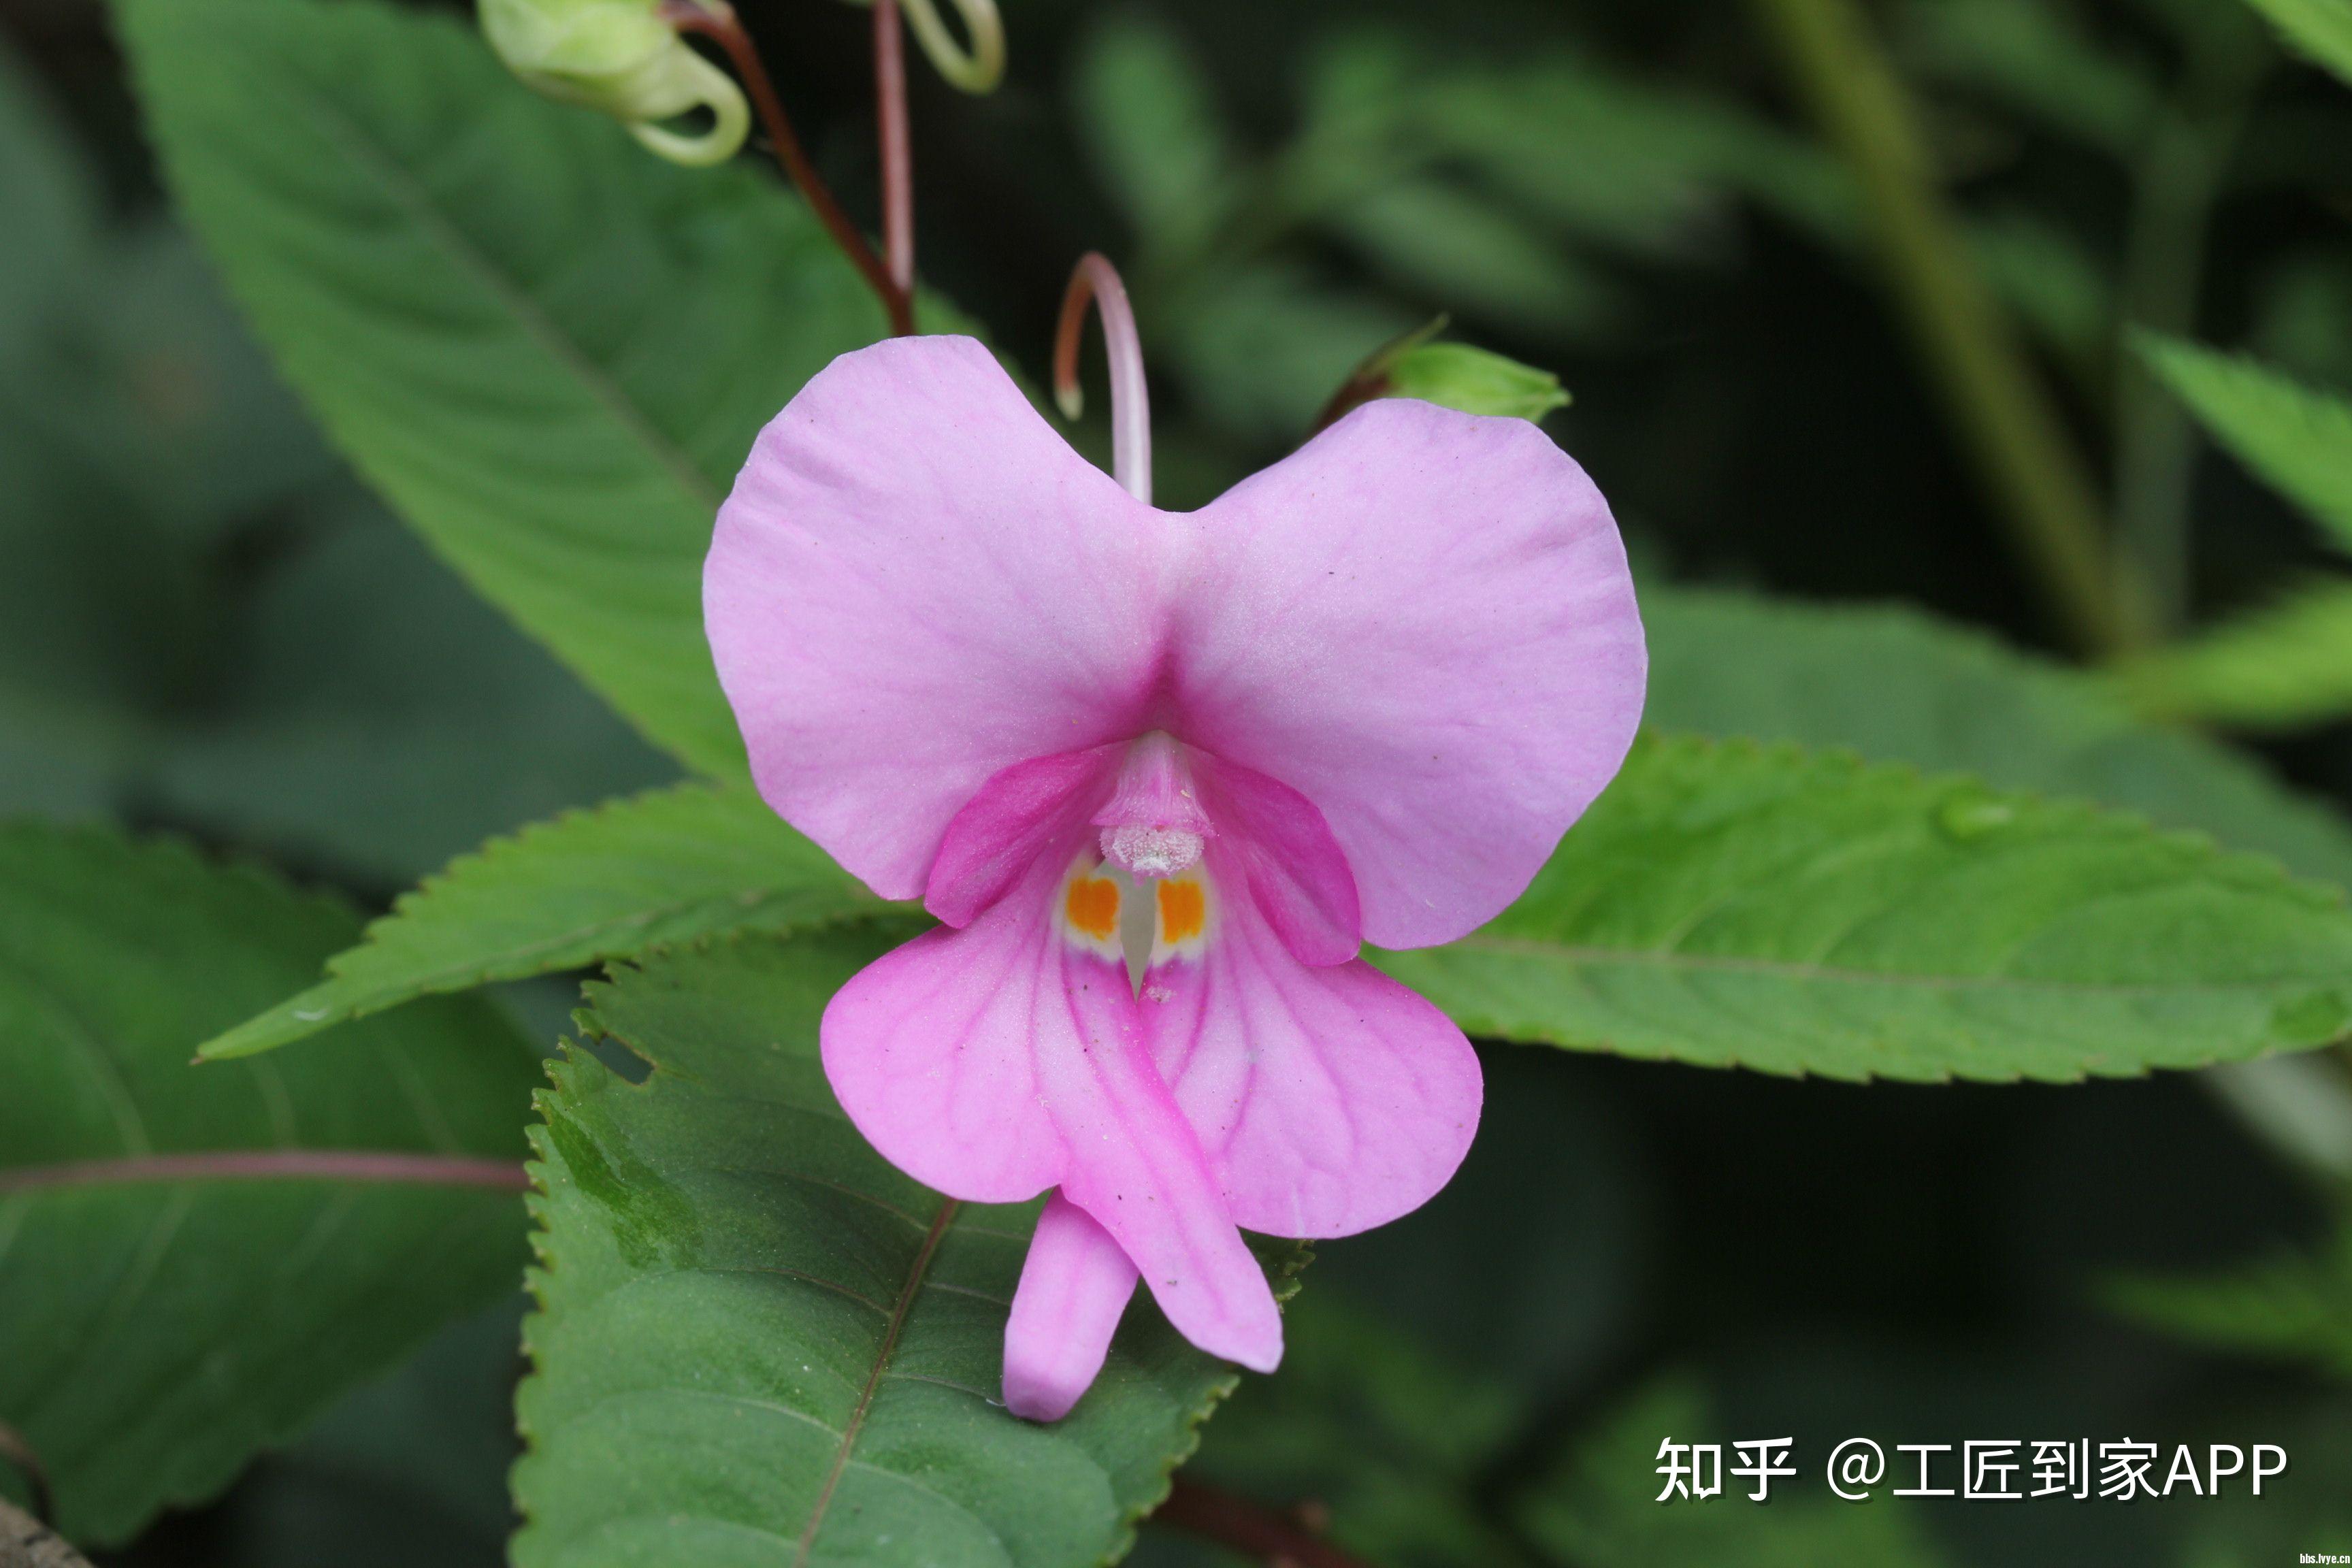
2012	429
2177	179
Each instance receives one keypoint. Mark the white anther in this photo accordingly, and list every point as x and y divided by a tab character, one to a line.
1151	852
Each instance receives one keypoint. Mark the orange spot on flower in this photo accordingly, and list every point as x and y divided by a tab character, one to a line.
1091	906
1183	910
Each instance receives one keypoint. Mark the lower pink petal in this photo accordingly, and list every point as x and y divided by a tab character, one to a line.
993	1062
1074	1287
932	1051
1328	1099
1135	1166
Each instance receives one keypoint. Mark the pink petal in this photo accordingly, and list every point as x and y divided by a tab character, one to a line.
1422	621
1298	877
1074	1287
1136	1167
933	1048
996	1061
1330	1100
916	585
1006	829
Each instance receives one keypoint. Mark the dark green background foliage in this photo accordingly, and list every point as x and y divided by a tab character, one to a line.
361	417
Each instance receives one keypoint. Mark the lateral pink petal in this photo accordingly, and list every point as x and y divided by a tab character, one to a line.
1006	828
1298	876
1074	1287
1328	1099
1422	621
916	585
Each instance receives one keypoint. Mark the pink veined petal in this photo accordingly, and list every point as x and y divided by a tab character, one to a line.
998	1060
1298	876
1330	1100
1006	828
1074	1287
1422	621
916	585
933	1048
1136	1166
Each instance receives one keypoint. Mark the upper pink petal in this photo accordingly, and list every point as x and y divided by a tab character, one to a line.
1423	623
916	585
1329	1099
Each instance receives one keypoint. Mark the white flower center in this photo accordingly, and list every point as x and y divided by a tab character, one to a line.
1150	850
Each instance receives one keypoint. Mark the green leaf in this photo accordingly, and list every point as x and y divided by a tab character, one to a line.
669	866
1599	1507
1390	1437
549	350
2321	30
1456	246
1473	380
51	197
2282	668
1154	131
759	1342
2289	1308
383	719
2297	439
1899	685
194	1262
1731	904
2032	58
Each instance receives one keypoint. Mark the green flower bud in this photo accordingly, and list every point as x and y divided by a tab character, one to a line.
620	57
1455	375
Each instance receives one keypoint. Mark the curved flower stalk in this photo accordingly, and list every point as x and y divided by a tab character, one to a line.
977	66
1160	775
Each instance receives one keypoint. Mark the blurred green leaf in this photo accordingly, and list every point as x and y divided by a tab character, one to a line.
1261	348
1730	904
403	1472
2298	440
2051	281
2282	668
2290	1308
2033	56
1598	1507
666	867
2320	30
1898	685
756	1341
1155	134
1374	1428
50	195
171	1299
1450	245
552	359
379	717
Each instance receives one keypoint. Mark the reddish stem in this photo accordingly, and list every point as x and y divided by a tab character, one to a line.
275	1164
721	27
898	156
1094	279
1245	1526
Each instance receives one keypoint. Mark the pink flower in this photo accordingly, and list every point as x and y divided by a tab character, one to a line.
1358	697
